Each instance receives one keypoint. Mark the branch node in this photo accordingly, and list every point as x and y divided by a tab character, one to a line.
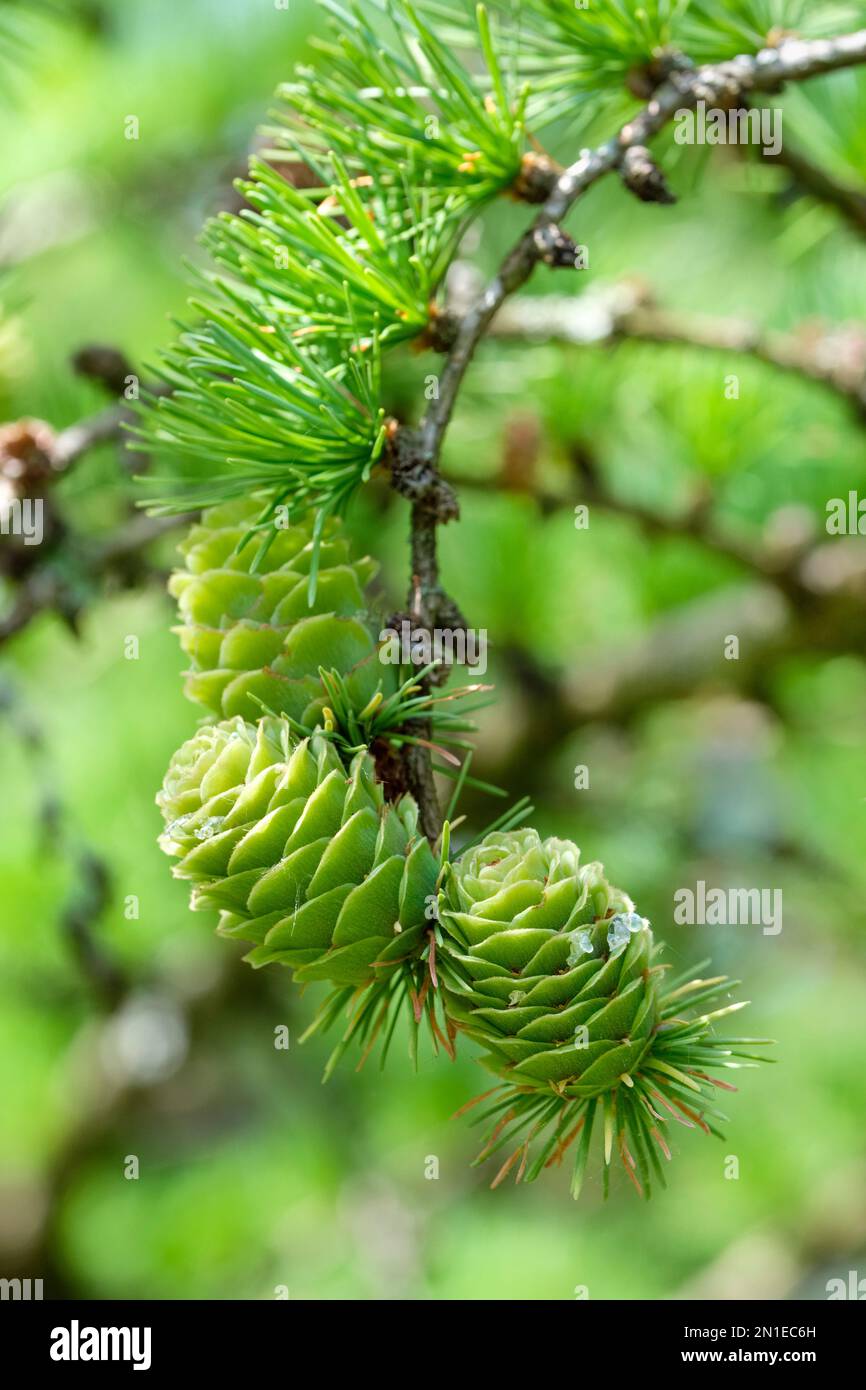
104	364
416	478
555	247
643	177
440	335
644	81
537	178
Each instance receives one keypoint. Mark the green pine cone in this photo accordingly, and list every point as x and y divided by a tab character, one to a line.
301	857
542	990
551	970
255	636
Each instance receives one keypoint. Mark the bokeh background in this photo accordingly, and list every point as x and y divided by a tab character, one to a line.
147	1036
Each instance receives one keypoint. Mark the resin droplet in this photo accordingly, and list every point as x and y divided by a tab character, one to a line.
581	945
177	829
209	827
621	928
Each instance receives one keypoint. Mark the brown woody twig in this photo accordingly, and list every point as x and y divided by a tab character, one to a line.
418	453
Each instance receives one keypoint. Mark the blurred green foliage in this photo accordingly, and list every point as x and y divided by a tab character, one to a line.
252	1176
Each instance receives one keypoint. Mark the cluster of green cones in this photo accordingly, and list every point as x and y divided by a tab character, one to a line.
277	818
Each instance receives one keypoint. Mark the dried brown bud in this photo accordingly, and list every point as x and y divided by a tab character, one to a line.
643	177
537	178
26	448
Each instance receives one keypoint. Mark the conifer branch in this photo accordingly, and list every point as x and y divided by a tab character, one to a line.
797	565
58	588
77	440
810	178
832	355
720	84
626	152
